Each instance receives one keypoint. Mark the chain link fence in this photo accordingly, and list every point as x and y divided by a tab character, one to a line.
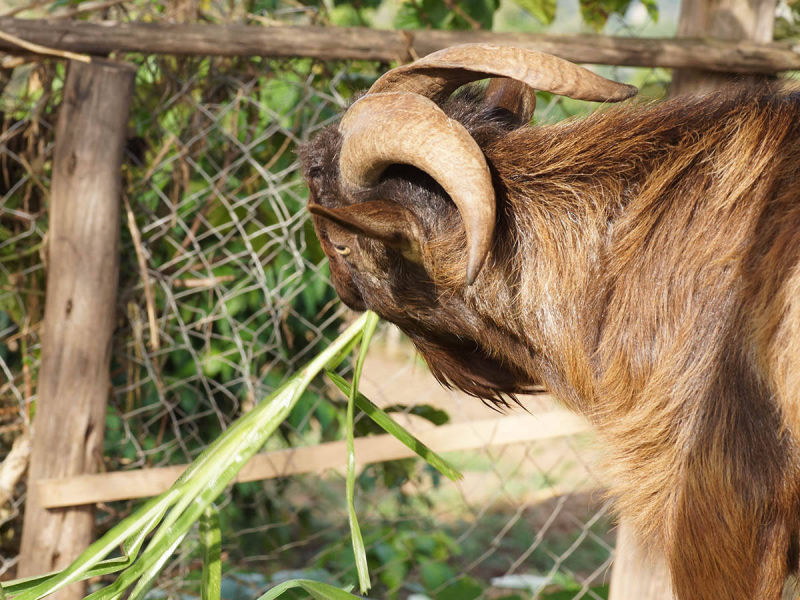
223	294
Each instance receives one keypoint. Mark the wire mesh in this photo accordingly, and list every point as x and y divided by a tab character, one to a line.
224	292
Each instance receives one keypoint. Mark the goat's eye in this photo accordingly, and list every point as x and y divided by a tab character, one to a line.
343	250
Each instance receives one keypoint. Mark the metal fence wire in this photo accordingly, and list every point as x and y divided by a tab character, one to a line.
223	293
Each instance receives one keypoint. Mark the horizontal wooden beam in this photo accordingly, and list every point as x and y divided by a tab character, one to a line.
124	485
372	44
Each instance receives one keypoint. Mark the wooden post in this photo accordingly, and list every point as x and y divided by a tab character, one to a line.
83	240
736	20
637	574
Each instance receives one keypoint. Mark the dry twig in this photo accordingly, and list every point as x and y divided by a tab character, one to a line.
31	6
203	282
86	7
31	47
136	236
473	23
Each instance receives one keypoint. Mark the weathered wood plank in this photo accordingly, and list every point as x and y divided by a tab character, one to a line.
83	241
749	21
637	574
370	44
122	485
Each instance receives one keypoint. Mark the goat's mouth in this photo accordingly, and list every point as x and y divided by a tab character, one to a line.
347	291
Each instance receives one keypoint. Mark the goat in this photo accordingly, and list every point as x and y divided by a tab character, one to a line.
642	264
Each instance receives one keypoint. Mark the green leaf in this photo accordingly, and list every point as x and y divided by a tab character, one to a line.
346	15
435	574
425	411
465	14
568	594
317	590
392	427
597	12
480	11
213	362
359	551
652	9
211	540
153	563
543	10
417	15
465	588
130	532
393	572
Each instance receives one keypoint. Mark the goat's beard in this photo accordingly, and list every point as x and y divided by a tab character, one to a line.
456	365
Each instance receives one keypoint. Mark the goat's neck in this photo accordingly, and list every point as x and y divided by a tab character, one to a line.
541	301
584	213
540	285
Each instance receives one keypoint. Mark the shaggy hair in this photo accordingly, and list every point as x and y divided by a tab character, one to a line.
646	271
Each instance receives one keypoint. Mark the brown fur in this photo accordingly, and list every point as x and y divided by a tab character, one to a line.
646	270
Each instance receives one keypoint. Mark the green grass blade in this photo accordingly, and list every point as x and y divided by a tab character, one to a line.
23	584
211	540
370	324
181	506
211	475
130	533
317	590
359	550
345	351
394	428
146	579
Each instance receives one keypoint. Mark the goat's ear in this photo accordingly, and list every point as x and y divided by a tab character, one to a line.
381	220
514	96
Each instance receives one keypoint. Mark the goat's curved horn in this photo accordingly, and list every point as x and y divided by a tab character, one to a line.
383	129
439	74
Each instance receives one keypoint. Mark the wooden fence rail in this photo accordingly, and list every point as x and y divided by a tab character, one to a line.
371	44
124	485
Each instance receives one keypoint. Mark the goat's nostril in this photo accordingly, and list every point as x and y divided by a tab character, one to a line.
343	250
